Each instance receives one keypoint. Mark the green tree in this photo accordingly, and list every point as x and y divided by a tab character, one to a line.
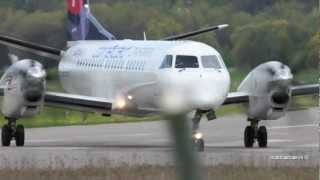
257	43
163	26
259	31
313	48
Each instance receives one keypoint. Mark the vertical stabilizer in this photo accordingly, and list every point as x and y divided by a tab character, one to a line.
82	25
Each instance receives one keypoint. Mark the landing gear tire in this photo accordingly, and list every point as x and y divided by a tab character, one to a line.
262	137
249	137
20	136
198	145
6	135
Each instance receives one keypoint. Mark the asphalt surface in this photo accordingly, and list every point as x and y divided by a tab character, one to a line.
293	141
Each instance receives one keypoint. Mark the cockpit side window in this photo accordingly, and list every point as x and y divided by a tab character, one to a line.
167	62
187	62
210	62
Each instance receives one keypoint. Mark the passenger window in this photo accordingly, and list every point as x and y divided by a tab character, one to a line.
187	62
167	62
211	62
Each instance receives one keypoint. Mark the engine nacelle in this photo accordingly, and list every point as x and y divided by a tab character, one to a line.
268	87
24	88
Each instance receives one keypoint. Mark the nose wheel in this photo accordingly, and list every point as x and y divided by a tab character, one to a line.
254	133
197	136
11	131
198	142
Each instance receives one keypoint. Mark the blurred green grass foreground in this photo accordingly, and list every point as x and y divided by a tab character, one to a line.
160	173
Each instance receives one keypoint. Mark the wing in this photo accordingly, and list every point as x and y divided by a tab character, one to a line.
236	98
303	90
312	89
90	105
78	103
195	33
37	49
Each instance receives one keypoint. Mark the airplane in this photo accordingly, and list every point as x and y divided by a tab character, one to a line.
140	78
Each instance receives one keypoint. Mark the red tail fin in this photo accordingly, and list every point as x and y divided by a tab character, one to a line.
75	6
82	25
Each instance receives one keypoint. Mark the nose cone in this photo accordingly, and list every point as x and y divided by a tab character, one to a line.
207	97
199	91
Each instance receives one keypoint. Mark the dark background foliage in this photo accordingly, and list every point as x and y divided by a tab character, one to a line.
261	30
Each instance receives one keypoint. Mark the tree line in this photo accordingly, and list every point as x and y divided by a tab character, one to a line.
260	30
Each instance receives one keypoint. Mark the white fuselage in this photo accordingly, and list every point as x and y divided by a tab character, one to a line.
129	74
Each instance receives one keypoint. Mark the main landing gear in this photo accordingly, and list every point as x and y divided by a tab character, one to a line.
254	133
12	131
197	137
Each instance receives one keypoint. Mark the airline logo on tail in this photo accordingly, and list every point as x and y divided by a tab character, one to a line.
82	25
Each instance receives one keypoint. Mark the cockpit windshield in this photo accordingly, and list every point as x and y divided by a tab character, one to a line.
167	62
211	62
187	62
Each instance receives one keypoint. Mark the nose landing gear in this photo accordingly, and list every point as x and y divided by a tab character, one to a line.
197	137
12	131
198	141
254	133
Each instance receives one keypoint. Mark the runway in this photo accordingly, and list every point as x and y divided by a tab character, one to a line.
293	141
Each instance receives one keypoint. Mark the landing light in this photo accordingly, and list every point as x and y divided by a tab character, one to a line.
121	104
198	135
130	97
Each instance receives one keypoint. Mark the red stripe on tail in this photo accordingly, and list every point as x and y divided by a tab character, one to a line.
75	6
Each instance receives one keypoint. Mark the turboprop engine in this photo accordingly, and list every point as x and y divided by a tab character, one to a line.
24	85
268	87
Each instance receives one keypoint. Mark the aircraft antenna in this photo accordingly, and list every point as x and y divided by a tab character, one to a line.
144	36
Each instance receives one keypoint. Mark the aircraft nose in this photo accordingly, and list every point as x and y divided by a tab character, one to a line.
196	91
207	97
195	97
